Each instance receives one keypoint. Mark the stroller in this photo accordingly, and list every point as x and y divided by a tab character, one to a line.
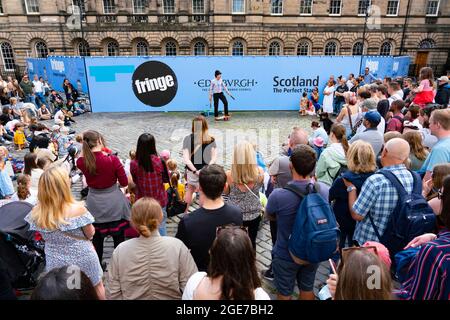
21	252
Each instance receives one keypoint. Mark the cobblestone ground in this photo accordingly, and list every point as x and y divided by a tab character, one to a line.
268	129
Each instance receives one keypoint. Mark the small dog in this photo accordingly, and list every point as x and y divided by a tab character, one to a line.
326	122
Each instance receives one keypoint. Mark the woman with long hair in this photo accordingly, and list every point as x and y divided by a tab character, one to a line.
149	173
31	169
427	277
232	273
69	90
66	227
361	163
244	182
349	113
105	200
333	159
418	152
152	266
23	190
199	150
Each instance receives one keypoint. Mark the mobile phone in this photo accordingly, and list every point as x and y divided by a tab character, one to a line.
333	267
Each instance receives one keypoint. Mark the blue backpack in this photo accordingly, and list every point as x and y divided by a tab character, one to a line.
411	217
315	234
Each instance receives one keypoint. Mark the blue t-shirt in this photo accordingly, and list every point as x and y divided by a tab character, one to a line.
283	204
439	154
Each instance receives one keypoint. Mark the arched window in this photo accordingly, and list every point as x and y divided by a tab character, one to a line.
9	62
358	49
112	49
171	48
141	48
83	49
330	48
303	48
41	49
386	49
237	49
199	49
274	48
426	44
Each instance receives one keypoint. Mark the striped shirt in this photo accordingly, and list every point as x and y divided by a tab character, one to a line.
429	273
217	86
379	197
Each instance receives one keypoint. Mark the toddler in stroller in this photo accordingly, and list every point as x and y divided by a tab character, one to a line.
21	250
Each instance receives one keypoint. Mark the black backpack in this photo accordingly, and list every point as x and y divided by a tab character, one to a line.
175	205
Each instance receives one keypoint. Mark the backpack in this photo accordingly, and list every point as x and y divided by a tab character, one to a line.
411	217
315	234
174	206
342	169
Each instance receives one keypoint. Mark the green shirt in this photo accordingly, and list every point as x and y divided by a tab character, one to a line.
27	87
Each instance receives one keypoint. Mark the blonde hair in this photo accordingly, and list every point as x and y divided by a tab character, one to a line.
414	138
146	216
244	168
54	197
361	157
172	164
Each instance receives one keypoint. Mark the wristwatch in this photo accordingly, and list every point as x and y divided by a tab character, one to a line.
351	188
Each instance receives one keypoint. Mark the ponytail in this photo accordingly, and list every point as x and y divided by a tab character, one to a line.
174	179
339	132
90	140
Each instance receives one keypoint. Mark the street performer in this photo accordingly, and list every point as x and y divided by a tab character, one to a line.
216	92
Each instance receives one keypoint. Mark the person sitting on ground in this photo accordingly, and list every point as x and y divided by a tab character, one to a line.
371	134
53	285
32	170
65	223
175	182
333	159
304	102
198	229
19	136
282	206
56	100
352	278
23	190
232	273
418	152
64	142
378	197
43	113
361	165
395	123
152	266
427	277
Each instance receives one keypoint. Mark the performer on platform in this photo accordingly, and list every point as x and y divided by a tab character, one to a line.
216	92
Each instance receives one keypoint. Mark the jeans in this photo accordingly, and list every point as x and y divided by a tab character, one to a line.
41	98
31	98
337	106
318	151
216	97
162	226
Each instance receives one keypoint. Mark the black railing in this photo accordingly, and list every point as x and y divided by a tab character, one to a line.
138	19
168	19
199	18
107	19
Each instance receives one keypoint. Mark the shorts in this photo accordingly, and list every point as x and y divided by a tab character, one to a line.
192	179
286	273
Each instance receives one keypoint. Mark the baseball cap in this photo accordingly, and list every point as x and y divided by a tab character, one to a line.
373	117
382	252
443	78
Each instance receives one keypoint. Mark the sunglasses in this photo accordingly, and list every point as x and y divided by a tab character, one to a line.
346	252
230	227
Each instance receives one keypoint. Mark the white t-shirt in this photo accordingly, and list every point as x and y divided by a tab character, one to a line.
349	84
11	124
195	280
38	86
59	117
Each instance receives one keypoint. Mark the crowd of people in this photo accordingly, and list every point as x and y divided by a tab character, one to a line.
386	142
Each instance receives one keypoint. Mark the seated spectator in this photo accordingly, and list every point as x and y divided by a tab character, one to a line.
332	160
378	197
56	100
64	142
6	116
64	223
418	152
232	273
428	274
6	185
152	267
282	206
361	165
42	148
395	123
198	229
244	181
175	182
23	190
54	285
371	134
353	277
279	169
43	113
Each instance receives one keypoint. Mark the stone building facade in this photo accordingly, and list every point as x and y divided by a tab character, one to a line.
36	28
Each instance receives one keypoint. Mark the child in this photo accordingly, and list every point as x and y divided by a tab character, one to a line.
318	145
315	99
172	166
64	142
23	190
132	156
165	154
19	136
425	93
310	110
176	184
303	104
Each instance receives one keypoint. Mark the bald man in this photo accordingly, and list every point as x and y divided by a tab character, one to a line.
378	197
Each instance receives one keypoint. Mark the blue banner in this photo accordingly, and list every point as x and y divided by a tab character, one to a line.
56	69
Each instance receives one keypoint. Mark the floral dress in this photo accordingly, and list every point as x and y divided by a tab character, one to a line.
64	247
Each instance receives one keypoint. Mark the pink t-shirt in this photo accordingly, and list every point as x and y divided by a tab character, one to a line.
426	85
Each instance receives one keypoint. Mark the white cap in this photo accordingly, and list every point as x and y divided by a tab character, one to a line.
443	78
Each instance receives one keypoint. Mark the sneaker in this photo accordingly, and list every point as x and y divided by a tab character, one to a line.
268	274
